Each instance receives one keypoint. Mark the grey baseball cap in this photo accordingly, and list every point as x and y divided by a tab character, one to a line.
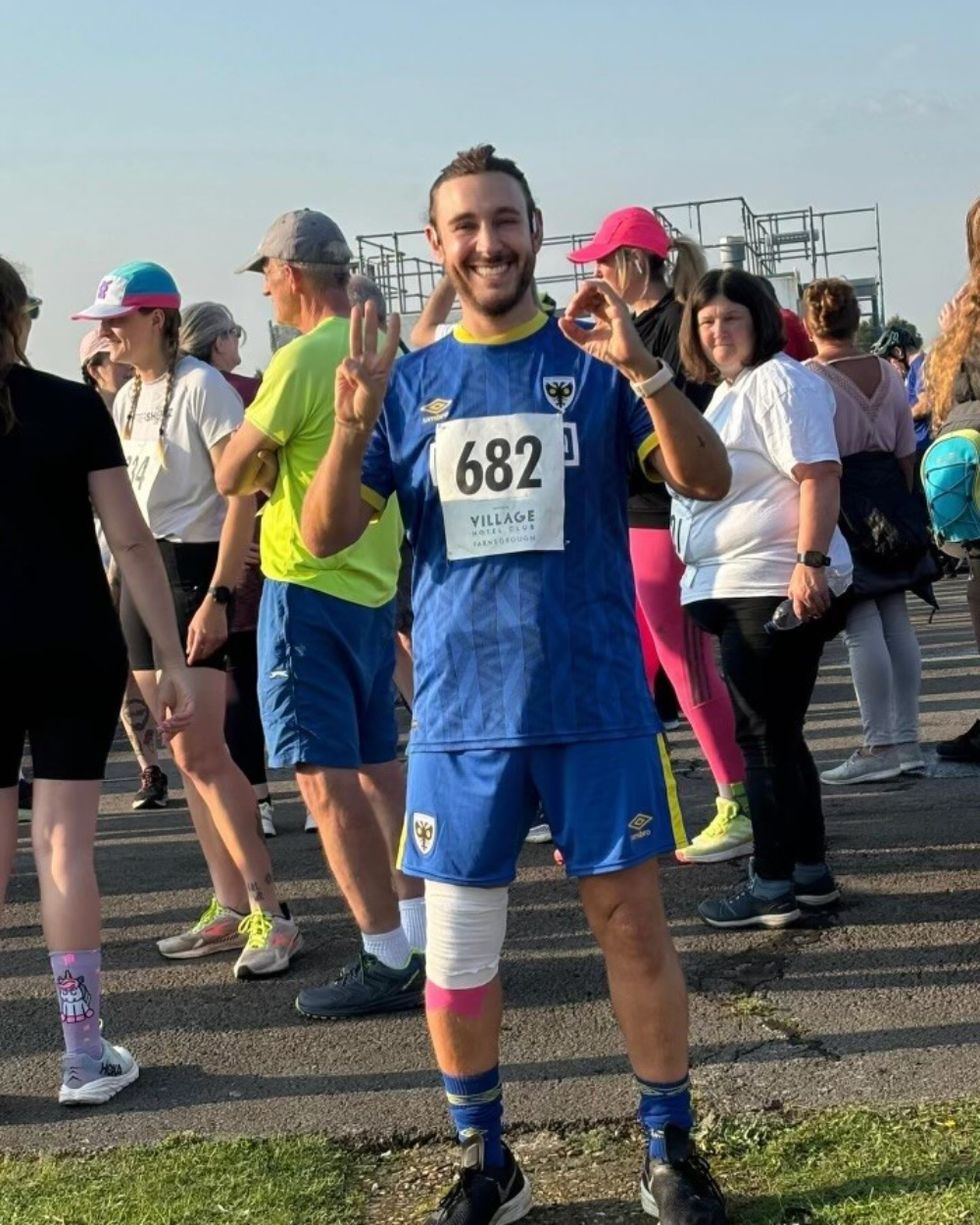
303	235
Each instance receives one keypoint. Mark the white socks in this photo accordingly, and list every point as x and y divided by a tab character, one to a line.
413	922
390	948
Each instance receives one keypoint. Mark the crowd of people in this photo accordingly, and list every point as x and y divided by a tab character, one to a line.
524	522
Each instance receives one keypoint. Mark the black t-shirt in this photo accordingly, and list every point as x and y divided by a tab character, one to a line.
659	329
54	590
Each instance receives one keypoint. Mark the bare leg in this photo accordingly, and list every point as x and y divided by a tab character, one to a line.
203	758
139	725
63	833
357	852
465	1045
384	786
646	984
8	837
227	883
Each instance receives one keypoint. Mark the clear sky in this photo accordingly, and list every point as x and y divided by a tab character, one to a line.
177	132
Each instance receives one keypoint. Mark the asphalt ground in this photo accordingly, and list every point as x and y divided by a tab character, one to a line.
876	1003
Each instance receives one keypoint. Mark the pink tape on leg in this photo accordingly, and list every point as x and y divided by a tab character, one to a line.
467	1002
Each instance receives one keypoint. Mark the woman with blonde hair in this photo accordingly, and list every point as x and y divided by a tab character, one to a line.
952	388
175	417
655	273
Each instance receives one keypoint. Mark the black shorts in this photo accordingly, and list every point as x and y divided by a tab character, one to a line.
67	704
190	569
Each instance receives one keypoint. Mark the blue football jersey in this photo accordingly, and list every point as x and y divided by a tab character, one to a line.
510	463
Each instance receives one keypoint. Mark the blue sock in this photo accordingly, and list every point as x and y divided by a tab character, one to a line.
476	1104
663	1104
807	873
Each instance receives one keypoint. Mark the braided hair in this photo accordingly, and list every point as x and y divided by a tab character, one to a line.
171	340
13	300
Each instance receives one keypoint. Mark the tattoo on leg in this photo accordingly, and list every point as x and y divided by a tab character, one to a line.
255	891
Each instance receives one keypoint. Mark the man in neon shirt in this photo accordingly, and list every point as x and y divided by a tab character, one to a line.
326	629
507	445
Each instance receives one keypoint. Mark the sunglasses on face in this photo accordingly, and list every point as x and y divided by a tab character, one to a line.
32	308
237	331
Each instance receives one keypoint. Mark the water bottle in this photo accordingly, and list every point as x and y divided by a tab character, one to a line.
783	618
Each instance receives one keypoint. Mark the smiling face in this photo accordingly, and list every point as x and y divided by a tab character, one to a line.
727	335
135	339
481	233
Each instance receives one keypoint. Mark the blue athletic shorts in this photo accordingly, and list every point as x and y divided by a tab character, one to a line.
610	804
325	679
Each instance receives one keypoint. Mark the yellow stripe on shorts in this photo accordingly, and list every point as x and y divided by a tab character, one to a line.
673	800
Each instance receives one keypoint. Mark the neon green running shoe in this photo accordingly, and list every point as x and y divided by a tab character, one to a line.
727	837
216	931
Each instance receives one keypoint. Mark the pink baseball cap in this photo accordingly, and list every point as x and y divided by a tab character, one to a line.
92	344
627	227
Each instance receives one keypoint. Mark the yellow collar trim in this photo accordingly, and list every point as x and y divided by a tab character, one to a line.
521	332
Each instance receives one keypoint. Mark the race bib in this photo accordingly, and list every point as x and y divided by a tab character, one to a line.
501	482
680	530
143	461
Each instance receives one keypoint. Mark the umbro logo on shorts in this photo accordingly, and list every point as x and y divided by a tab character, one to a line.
424	832
559	390
640	826
435	410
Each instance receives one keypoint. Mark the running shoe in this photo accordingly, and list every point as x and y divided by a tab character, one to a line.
484	1197
964	748
216	931
910	758
864	766
87	1081
25	798
265	818
310	826
366	986
271	941
815	894
743	909
153	792
727	837
681	1190
539	833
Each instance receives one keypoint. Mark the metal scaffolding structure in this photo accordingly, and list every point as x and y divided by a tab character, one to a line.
792	246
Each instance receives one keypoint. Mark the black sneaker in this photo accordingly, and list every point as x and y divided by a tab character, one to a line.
823	891
25	798
367	985
962	748
484	1197
680	1190
743	909
153	789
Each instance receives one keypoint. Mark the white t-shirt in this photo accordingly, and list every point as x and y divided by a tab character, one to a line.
180	501
773	417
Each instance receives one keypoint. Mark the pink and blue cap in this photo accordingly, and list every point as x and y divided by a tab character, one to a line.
130	287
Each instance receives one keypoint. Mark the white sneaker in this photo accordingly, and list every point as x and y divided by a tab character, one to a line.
310	826
272	940
910	758
216	931
864	766
539	833
90	1082
265	818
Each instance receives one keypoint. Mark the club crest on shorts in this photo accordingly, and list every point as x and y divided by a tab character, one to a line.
559	390
424	832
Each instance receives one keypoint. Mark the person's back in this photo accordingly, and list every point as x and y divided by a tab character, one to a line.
872	412
294	406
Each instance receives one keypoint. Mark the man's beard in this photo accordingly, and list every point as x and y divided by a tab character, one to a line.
501	306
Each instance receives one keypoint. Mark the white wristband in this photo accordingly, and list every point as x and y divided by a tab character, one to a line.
653	384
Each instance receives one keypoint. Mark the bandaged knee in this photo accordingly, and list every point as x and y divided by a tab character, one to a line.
466	930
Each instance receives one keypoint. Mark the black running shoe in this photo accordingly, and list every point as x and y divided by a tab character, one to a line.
962	748
153	789
366	986
680	1190
484	1197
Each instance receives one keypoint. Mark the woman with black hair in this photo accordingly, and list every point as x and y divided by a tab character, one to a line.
773	540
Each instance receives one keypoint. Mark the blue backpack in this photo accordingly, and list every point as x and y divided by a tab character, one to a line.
951	482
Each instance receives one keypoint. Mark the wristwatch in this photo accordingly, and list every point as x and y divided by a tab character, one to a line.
653	384
812	557
220	595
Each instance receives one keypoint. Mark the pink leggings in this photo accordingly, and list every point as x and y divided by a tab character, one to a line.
669	637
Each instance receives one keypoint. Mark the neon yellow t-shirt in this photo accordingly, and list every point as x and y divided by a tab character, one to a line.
295	407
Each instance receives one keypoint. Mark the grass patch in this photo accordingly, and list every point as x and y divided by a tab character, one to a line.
297	1181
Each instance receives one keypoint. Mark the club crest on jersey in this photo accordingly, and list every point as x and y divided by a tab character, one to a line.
435	410
559	390
424	832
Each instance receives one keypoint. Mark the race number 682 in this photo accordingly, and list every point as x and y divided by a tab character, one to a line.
495	469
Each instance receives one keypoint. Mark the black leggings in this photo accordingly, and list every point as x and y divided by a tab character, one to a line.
243	726
973	597
771	679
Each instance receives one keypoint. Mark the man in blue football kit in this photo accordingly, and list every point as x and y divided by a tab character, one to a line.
507	445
